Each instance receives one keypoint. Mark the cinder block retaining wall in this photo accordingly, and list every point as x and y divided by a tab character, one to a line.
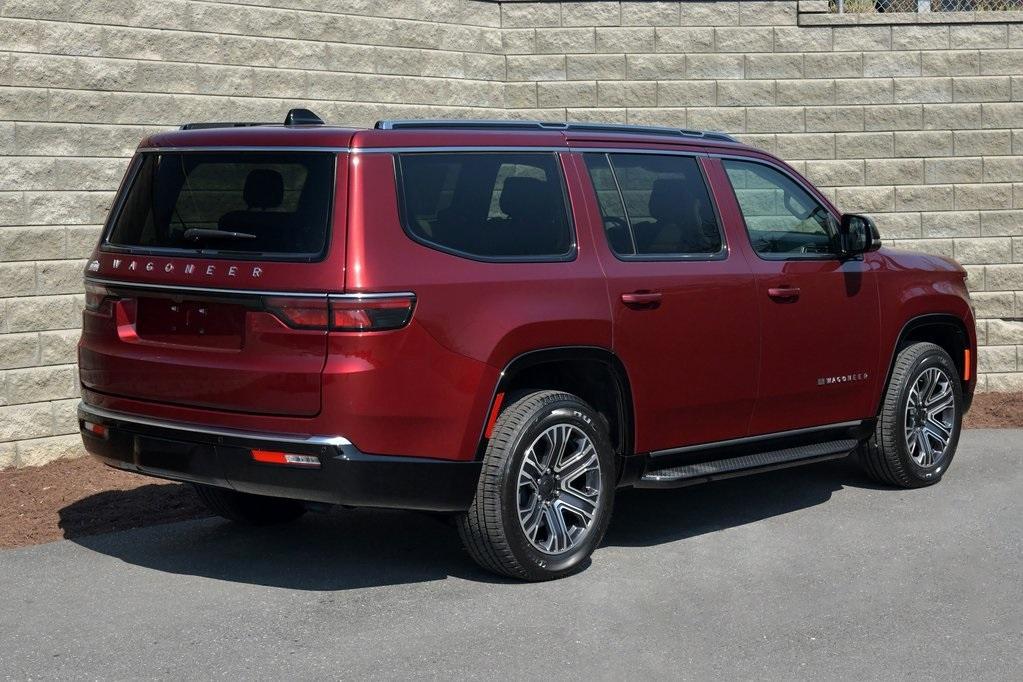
917	121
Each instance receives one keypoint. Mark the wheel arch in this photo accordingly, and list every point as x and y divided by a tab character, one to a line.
942	329
593	373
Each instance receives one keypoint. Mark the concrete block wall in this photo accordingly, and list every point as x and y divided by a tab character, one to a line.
918	121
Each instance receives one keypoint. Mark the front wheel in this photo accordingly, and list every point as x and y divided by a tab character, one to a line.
544	496
918	429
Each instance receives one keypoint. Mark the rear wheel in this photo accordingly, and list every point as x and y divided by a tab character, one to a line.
251	510
544	497
918	429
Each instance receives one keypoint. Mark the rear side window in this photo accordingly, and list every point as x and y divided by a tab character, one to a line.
488	205
655	205
231	204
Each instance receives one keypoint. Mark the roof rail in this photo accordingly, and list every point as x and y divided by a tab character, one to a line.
294	117
202	125
498	124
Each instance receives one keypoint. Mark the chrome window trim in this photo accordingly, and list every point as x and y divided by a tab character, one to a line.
525	148
520	149
87	410
184	288
241	148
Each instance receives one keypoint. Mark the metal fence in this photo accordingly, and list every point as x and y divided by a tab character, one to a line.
865	6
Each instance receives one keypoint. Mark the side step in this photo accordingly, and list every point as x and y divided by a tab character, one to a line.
686	474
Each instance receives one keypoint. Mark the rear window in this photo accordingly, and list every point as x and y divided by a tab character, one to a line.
230	204
487	206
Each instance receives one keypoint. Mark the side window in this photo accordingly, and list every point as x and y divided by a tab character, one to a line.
655	205
486	205
783	219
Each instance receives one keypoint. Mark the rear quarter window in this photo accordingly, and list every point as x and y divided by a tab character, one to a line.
232	204
487	205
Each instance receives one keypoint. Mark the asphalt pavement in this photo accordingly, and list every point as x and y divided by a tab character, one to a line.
797	574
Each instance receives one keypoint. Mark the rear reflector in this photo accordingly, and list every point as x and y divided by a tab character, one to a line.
286	459
494	411
95	429
344	313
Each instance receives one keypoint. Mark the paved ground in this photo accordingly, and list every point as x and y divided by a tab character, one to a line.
799	574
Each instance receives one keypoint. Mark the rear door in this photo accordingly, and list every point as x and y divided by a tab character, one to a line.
683	303
819	313
210	286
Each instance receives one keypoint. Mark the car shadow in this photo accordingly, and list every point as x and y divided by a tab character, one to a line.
349	549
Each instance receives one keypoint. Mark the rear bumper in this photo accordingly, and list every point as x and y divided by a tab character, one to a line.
223	457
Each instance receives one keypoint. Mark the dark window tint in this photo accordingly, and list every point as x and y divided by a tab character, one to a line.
487	205
654	205
783	219
229	203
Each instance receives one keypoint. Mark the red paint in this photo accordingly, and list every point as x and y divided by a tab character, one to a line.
713	349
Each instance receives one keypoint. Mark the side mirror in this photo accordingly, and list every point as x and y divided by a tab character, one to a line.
859	235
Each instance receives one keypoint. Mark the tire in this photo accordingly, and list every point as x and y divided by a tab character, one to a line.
525	437
896	457
248	509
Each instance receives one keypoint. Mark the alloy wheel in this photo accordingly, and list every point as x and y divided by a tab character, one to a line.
558	488
930	417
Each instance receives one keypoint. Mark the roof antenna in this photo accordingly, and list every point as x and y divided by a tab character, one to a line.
302	117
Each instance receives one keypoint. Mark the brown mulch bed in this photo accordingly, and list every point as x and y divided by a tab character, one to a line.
995	411
77	497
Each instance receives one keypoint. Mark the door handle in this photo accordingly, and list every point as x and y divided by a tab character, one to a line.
783	293
642	300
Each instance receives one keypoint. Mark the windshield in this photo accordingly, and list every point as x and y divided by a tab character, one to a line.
262	204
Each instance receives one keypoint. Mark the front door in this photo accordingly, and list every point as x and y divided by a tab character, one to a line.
819	313
685	317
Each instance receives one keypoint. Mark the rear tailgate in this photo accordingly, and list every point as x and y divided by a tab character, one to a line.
211	260
221	351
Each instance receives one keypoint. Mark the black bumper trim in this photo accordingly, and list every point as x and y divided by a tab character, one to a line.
222	457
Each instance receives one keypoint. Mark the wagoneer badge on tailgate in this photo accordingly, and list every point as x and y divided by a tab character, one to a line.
188	269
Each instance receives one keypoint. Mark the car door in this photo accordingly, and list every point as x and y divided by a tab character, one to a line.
819	313
684	312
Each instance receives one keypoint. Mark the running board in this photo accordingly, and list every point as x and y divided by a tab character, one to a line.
686	474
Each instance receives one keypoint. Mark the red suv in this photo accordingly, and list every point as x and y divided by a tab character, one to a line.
503	320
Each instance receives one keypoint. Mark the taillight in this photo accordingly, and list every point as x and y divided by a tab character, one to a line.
300	313
370	313
96	295
344	313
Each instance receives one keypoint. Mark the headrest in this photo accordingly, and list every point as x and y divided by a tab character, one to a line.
524	196
264	188
667	199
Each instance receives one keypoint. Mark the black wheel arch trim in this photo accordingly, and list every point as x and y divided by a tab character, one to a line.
913	324
555	354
